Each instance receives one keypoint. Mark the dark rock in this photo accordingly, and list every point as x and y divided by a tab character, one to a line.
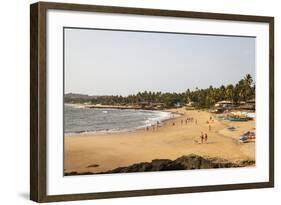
93	165
186	162
246	163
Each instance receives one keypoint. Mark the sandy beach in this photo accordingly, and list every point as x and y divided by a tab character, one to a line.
103	152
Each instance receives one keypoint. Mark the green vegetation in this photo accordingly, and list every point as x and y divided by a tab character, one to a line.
201	98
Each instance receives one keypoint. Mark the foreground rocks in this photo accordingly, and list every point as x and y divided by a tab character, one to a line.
187	162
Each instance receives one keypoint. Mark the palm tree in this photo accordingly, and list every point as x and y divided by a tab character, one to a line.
248	80
230	92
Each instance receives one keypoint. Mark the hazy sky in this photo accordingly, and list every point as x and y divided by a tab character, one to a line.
99	62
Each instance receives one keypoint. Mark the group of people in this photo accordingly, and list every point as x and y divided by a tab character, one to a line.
187	120
204	137
157	125
154	127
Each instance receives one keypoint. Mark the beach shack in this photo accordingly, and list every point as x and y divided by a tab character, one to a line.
177	104
224	103
144	104
190	105
152	106
248	105
158	106
221	106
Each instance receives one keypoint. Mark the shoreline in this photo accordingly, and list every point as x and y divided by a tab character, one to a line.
120	107
140	127
170	141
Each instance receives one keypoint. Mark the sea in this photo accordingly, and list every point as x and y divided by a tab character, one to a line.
80	119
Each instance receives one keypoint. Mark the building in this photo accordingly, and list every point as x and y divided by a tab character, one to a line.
224	104
248	105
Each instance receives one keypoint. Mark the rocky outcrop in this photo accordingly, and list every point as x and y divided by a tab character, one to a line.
187	162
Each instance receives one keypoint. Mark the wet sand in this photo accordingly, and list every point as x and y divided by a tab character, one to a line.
103	152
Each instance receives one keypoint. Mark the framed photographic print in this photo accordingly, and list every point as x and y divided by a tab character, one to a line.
134	102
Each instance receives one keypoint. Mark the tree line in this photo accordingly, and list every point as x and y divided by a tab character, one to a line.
243	90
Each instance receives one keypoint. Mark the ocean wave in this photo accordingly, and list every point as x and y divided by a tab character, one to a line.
78	106
98	132
103	121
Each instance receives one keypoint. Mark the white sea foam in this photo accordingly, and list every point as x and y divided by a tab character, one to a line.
103	121
75	105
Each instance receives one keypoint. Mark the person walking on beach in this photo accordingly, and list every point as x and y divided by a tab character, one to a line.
210	127
206	137
181	122
158	124
202	137
196	121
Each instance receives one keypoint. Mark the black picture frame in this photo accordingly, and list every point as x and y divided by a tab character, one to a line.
38	103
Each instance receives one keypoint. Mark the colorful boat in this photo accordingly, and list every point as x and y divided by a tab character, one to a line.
248	136
236	118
